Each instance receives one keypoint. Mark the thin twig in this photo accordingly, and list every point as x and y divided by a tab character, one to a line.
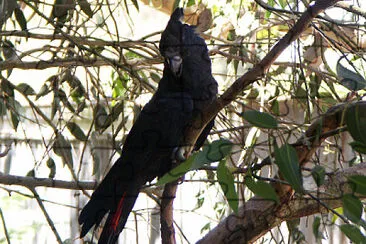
4	226
48	218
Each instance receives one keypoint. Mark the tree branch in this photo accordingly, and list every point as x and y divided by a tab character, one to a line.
89	41
7	236
166	213
31	182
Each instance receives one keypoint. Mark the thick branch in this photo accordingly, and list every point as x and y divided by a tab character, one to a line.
166	213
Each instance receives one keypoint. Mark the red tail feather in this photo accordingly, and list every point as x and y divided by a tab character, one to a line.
117	215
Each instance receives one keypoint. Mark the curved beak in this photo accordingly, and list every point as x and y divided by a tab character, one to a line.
175	65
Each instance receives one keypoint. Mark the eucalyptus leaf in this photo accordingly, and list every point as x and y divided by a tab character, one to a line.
52	166
178	171
358	183
262	189
31	173
289	166
102	120
76	131
260	119
353	233
226	180
25	89
43	91
350	79
2	107
355	119
19	16
318	173
62	148
14	119
359	147
85	7
352	207
316	225
213	152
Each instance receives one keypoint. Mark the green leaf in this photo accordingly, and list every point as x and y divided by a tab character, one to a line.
19	16
76	131
43	91
217	150
63	97
350	79
26	89
206	227
85	7
102	120
226	181
2	107
7	88
155	77
335	216
191	3
52	166
316	225
117	109
352	207
355	119
55	106
318	173
262	189
358	146
260	119
178	171
282	3
358	182
275	107
268	13
31	173
353	233
14	119
50	163
118	88
62	148
213	152
136	4
289	166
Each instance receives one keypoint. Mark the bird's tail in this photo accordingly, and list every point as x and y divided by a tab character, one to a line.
115	196
116	220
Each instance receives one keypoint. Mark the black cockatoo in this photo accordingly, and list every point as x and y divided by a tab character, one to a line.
151	146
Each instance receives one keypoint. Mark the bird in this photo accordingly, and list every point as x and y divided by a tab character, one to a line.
150	149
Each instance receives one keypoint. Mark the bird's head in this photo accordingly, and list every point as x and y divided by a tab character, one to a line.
171	43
